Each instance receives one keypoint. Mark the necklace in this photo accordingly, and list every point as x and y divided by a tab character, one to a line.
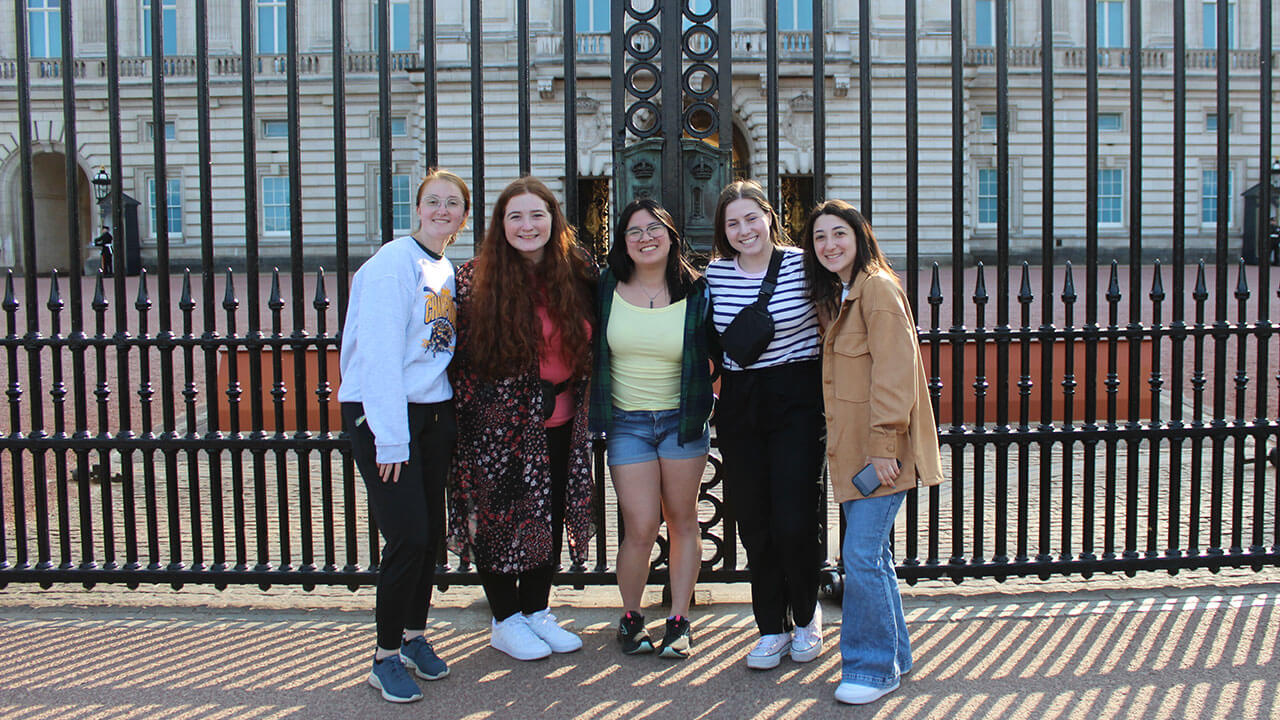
654	296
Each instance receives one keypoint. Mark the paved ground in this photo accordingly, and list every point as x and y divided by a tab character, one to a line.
1187	646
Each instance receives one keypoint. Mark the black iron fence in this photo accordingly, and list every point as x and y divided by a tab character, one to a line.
175	428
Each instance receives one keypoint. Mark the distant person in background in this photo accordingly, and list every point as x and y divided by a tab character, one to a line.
521	477
397	408
651	395
769	423
879	419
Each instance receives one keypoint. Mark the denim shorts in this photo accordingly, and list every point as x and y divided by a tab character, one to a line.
642	435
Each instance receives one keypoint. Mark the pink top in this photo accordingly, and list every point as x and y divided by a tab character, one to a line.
554	367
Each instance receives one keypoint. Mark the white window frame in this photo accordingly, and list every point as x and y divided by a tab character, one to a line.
1106	34
274	123
1103	223
1212	127
169	10
597	22
278	38
1110	113
173	204
1209	192
280	185
981	196
1209	32
794	23
50	24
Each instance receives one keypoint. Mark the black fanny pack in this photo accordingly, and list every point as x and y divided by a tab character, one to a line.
751	330
550	391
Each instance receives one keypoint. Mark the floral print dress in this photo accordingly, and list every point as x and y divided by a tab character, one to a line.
500	481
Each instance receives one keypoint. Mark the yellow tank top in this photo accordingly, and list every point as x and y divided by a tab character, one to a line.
644	355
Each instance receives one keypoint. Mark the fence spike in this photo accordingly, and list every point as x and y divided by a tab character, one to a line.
1201	293
1025	296
321	301
1113	287
275	302
1068	286
980	288
11	304
100	302
935	287
1242	283
1157	284
229	301
55	297
144	300
185	302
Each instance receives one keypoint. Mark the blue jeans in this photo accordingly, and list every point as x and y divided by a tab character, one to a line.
874	648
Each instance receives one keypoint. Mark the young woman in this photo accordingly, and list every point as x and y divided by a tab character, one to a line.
651	395
397	408
878	416
769	426
522	472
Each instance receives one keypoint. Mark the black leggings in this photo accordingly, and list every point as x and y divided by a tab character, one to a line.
409	513
530	591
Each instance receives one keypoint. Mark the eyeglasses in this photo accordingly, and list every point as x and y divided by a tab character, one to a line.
654	230
432	202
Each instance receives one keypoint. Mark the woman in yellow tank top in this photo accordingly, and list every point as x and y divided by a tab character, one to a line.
651	396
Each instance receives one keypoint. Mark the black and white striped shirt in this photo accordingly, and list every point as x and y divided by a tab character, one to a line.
795	322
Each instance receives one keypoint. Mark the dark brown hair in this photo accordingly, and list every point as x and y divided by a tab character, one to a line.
506	336
825	286
680	273
748	190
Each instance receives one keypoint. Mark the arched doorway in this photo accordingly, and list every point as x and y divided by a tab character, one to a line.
53	225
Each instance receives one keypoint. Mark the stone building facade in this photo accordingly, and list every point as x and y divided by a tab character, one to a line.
841	139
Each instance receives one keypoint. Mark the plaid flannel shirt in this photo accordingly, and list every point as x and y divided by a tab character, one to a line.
695	362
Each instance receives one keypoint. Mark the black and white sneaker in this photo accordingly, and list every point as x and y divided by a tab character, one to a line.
632	636
679	639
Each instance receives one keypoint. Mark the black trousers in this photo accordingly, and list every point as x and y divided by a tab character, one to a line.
409	513
771	431
530	591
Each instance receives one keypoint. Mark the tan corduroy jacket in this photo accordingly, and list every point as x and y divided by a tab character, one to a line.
873	382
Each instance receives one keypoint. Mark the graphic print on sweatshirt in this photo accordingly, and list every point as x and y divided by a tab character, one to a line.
440	315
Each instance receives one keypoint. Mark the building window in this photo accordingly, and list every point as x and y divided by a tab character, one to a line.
1111	23
401	203
988	196
273	27
1210	15
173	205
275	204
985	24
1211	122
275	128
793	15
44	28
169	18
989	121
593	16
1111	196
1209	196
1110	122
170	131
399	126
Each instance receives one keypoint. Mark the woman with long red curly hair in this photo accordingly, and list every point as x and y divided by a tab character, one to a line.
521	476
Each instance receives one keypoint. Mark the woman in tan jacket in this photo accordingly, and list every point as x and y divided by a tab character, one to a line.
880	435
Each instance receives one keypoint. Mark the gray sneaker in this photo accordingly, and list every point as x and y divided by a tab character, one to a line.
390	676
419	656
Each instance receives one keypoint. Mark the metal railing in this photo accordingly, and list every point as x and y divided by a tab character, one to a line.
178	428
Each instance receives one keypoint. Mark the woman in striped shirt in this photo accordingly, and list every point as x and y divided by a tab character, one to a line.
769	425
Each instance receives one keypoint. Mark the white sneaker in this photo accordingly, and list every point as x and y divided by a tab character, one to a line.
768	651
855	694
806	643
514	637
543	624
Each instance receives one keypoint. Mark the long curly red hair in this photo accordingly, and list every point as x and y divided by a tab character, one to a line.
506	336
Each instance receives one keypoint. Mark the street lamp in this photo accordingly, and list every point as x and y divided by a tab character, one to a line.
101	188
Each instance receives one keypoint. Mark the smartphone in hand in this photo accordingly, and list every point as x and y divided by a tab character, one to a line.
866	481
